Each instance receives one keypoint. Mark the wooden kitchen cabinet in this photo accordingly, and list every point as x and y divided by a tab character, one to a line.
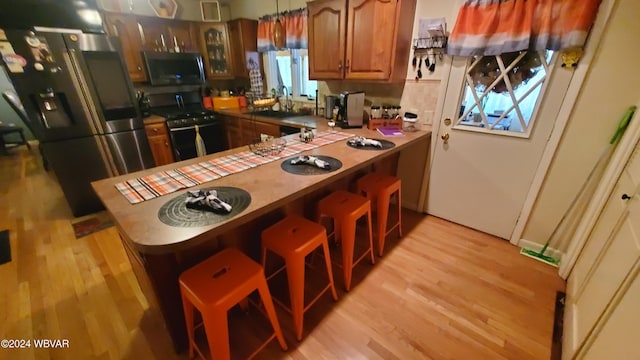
160	143
372	39
242	131
174	32
233	132
214	45
143	33
243	38
252	131
125	27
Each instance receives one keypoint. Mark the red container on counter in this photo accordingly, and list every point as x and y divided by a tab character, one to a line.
207	102
242	101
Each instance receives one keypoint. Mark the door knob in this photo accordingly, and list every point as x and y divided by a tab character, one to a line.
625	197
445	137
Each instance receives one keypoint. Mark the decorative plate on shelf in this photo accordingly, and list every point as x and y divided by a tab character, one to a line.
164	8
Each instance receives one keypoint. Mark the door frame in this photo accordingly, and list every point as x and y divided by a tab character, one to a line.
619	160
564	114
566	109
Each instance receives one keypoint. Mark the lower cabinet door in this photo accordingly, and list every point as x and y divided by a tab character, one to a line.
161	149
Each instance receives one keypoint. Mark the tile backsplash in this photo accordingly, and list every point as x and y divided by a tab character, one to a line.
419	97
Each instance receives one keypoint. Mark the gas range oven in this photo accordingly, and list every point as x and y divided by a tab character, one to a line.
183	111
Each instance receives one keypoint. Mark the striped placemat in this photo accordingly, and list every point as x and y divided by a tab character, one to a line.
165	182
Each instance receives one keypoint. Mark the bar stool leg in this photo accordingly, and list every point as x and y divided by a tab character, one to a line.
265	296
348	244
383	217
295	277
24	139
217	329
373	258
187	306
244	304
327	261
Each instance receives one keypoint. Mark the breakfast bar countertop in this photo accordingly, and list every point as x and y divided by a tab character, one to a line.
269	186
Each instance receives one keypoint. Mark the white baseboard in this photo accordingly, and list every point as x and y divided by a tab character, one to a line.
534	246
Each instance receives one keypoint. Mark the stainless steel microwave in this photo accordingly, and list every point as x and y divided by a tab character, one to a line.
166	68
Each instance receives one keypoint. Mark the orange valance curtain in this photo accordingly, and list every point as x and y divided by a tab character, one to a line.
493	27
295	28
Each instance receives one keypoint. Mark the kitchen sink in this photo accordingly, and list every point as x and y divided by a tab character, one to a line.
275	114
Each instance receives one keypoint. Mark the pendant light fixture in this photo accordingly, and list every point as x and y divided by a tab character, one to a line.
278	31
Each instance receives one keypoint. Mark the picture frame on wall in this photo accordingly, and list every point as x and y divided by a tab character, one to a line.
210	11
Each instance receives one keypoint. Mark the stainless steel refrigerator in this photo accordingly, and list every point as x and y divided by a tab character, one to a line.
82	107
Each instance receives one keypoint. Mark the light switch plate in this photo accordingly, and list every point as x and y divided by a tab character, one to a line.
427	117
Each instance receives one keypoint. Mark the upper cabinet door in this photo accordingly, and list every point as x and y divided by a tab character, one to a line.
215	48
327	32
243	36
126	28
371	34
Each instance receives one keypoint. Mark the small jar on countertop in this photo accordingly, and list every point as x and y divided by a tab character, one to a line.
376	113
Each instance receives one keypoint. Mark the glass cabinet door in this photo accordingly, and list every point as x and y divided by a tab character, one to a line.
215	48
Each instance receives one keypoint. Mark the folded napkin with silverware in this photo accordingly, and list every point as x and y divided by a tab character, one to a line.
311	160
207	199
363	141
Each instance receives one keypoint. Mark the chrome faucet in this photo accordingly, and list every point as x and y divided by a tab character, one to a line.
287	106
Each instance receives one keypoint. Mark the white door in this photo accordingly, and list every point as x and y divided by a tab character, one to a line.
608	263
486	156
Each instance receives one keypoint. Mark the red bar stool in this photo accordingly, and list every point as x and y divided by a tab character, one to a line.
293	238
345	209
379	188
213	287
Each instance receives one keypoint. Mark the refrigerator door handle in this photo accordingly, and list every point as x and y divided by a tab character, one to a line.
82	88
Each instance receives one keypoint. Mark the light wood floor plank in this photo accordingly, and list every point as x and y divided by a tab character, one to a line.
442	292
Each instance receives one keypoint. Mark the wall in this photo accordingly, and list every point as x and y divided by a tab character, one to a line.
7	115
419	97
187	9
607	92
252	9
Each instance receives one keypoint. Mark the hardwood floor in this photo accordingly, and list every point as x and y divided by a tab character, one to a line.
442	292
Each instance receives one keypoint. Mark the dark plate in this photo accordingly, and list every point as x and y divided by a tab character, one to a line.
176	213
386	144
305	169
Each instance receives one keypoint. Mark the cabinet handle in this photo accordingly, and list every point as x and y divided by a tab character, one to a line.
347	65
625	197
340	65
155	129
166	144
139	68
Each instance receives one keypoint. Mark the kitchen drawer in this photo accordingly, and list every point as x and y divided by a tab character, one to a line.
156	129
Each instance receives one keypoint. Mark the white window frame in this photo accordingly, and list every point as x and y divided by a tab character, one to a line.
271	73
488	128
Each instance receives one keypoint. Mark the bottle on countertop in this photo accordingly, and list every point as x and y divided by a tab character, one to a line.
176	47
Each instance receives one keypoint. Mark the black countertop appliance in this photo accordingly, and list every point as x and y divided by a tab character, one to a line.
351	104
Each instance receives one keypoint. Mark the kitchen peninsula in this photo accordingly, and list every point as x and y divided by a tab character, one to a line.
159	252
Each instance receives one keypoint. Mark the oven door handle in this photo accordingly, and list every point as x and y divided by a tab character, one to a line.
193	127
